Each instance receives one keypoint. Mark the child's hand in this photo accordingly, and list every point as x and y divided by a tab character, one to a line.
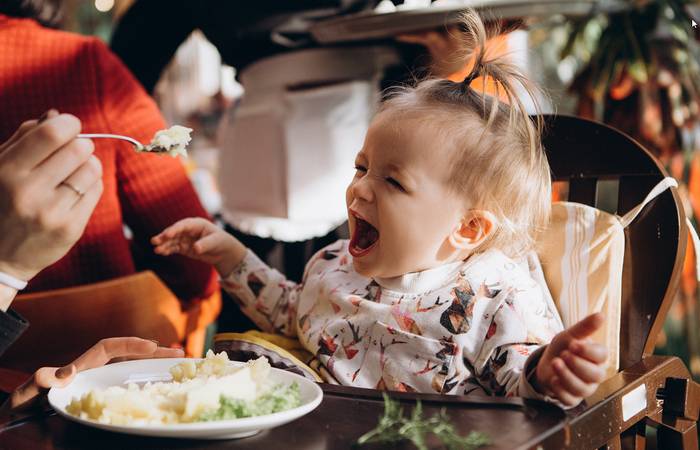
572	367
200	239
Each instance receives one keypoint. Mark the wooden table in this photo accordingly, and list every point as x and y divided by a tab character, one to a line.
343	416
347	413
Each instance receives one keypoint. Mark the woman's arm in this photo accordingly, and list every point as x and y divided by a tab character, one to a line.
41	213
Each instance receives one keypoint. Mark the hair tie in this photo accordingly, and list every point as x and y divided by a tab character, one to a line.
469	78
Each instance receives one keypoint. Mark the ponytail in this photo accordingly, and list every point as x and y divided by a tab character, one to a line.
506	77
499	165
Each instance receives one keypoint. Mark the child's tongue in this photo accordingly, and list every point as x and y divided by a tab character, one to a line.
363	238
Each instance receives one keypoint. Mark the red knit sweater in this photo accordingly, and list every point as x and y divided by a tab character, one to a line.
41	69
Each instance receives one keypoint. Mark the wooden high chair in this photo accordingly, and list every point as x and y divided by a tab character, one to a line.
649	389
66	322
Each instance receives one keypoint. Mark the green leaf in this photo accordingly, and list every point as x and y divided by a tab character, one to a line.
638	71
577	32
393	427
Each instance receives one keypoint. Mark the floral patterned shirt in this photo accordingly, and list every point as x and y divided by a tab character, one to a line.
459	328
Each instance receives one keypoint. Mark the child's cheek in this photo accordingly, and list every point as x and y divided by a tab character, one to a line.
348	195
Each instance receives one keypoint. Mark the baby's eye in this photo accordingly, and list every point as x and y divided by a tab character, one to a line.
360	168
395	183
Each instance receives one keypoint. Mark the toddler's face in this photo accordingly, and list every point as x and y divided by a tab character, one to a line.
400	211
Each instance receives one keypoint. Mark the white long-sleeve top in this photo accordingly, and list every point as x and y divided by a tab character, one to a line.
459	328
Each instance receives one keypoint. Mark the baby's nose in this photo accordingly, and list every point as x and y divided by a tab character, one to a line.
362	189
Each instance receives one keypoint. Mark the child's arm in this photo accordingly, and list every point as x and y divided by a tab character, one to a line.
263	293
567	370
200	239
512	360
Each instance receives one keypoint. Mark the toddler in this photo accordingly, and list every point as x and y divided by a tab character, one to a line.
430	293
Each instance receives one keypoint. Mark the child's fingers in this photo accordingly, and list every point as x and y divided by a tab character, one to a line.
586	327
569	381
164	236
177	245
596	353
166	246
209	243
562	394
192	226
587	371
165	249
174	230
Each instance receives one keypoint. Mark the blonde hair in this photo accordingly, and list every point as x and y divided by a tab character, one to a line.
499	163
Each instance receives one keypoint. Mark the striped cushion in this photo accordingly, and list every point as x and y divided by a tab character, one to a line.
581	254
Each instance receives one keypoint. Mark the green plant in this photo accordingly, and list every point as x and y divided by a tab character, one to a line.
394	427
640	72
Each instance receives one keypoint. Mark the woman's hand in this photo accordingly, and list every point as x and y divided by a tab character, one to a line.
105	351
50	183
572	367
200	239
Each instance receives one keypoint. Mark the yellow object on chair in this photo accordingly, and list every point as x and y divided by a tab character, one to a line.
582	252
282	352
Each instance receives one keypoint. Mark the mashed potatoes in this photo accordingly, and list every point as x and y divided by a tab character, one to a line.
207	390
173	141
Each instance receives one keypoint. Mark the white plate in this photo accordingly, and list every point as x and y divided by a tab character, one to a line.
157	370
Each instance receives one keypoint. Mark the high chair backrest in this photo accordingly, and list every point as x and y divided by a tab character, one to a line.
66	322
599	163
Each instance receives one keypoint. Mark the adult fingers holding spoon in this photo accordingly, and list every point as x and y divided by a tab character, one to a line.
49	184
81	181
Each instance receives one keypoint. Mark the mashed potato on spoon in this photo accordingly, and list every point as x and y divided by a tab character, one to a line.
172	141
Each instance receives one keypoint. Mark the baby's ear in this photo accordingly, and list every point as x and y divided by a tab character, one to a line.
472	230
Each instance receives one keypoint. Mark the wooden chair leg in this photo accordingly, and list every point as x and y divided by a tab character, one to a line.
613	444
635	437
685	439
632	439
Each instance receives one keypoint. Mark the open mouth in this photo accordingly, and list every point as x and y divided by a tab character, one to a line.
364	238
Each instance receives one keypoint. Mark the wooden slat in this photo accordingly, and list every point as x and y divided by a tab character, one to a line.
635	437
607	194
583	190
651	251
670	438
579	148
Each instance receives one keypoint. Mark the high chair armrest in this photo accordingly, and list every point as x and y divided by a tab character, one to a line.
629	397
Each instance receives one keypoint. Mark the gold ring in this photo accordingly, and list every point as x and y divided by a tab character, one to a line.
73	188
